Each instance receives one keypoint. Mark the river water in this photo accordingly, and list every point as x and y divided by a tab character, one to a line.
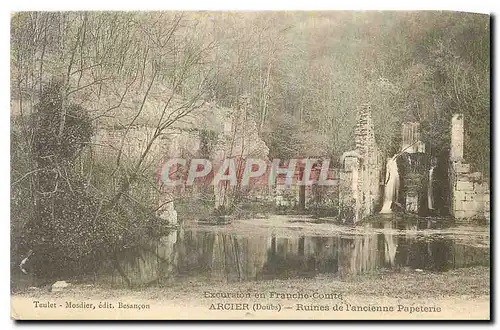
215	253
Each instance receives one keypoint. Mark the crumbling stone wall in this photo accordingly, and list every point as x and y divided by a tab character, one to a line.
235	136
360	178
181	140
109	143
470	194
239	140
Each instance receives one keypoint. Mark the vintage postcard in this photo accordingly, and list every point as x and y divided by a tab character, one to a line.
250	165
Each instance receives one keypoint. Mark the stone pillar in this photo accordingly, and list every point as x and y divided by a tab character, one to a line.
368	174
359	189
469	193
457	138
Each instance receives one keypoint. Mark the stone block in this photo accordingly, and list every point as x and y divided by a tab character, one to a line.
460	167
469	214
464	185
459	195
481	188
476	176
465	214
458	205
469	196
470	205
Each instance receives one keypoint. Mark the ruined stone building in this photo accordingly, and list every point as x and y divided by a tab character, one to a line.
470	194
359	190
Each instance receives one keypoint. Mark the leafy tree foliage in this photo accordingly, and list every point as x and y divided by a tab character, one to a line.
315	69
73	228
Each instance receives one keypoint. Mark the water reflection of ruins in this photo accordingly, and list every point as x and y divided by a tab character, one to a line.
231	257
217	255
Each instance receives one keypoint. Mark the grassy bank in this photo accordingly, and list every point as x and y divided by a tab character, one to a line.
406	284
457	294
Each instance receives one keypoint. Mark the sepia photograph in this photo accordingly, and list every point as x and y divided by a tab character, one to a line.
250	165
